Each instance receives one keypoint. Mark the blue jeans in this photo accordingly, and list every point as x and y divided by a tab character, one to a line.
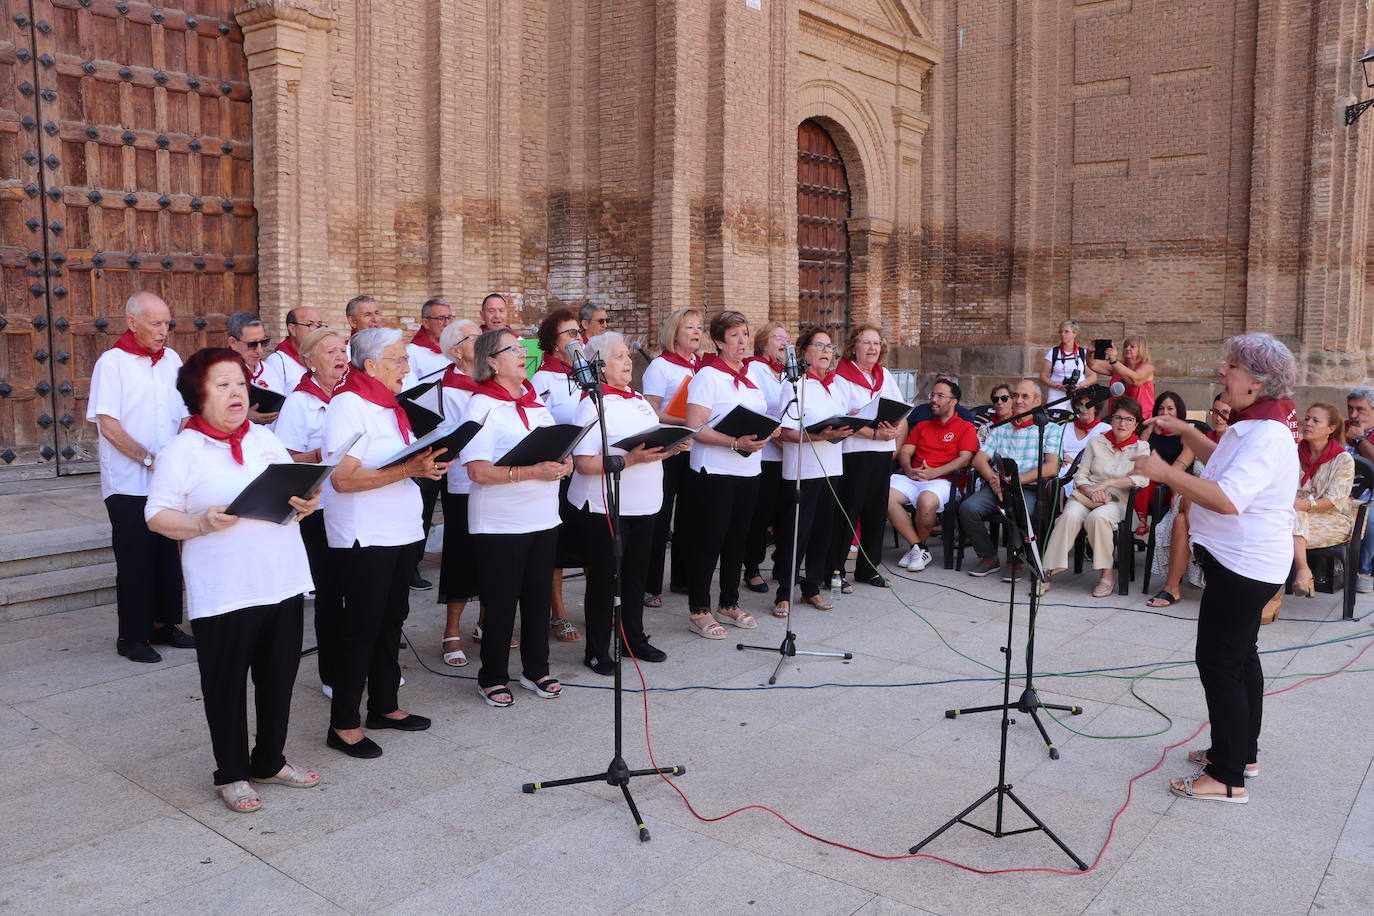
1367	550
973	513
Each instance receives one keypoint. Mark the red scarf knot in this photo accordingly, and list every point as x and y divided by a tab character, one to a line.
257	374
422	339
552	363
741	377
776	367
1309	464
312	388
235	438
626	393
1086	427
1281	409
693	364
288	346
824	380
494	389
850	372
453	378
129	344
1132	439
374	392
1022	423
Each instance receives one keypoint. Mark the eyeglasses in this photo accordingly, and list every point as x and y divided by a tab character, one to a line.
444	318
504	349
824	348
255	344
312	325
398	359
598	320
1001	398
1123	419
937	396
571	332
1220	413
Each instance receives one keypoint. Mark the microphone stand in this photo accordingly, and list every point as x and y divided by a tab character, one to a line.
788	648
618	772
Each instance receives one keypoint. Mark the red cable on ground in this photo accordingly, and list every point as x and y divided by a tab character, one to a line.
1111	828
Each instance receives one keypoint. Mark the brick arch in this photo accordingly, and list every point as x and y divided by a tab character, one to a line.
860	139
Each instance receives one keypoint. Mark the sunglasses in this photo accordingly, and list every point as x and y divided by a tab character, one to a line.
256	344
1001	398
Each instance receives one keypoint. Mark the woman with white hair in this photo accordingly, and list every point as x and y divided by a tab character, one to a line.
372	521
458	571
1241	528
1063	361
641	496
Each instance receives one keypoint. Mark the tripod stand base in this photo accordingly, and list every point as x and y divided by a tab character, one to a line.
788	649
617	774
1002	791
1029	703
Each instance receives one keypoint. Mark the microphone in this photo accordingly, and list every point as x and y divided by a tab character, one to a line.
1116	390
791	368
583	371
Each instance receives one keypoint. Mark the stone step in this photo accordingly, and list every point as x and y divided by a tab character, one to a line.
54	549
52	592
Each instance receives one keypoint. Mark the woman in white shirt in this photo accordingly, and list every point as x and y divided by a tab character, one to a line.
1068	360
1241	528
641	495
765	371
680	338
372	521
458	571
859	378
513	517
300	427
245	578
724	483
810	458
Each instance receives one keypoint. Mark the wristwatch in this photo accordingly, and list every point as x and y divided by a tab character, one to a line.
148	460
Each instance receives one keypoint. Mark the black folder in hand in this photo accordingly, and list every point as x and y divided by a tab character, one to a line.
664	435
268	496
447	441
878	410
264	400
544	443
424	407
742	422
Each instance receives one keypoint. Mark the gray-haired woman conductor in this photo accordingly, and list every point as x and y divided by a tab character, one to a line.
1241	528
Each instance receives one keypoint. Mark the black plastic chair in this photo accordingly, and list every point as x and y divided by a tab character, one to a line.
1125	555
1344	558
948	520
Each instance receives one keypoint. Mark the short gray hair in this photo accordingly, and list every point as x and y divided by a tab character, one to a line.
454	333
431	303
135	303
351	308
1267	360
1361	393
587	311
599	347
370	343
240	322
1070	324
482	350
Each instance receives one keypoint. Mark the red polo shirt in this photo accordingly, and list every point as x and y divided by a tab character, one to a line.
940	443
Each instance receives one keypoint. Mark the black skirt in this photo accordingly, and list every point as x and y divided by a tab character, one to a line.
569	554
458	571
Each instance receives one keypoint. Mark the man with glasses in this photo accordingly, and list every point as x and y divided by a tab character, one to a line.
284	367
1019	441
923	412
427	360
248	338
592	318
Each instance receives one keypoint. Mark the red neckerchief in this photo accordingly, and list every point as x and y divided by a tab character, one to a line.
850	372
1023	422
695	363
253	378
776	367
422	339
825	381
235	438
1306	462
1132	439
374	392
460	380
741	377
1281	409
129	344
1214	435
494	389
288	346
1085	428
312	387
552	363
626	393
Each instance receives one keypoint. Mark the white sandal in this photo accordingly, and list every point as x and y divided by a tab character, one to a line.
457	658
1183	788
295	778
707	629
239	792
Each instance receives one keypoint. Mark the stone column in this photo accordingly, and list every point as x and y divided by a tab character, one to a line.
285	41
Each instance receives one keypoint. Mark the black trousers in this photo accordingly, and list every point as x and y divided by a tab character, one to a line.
429	495
813	528
328	596
516	573
677	517
147	570
262	641
636	533
376	602
723	507
458	572
765	516
1228	662
863	493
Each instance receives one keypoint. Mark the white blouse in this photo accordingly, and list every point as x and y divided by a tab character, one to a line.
145	401
455	402
852	397
282	373
425	365
641	486
1256	466
1072	445
300	425
717	391
387	516
817	457
507	508
249	564
559	393
662	379
762	375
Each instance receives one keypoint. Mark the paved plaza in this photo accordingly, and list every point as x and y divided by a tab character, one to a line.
105	774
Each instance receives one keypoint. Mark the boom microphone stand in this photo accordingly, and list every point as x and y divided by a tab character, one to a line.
794	372
618	773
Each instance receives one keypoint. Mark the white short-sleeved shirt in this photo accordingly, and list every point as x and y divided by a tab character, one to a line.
264	379
507	508
818	457
145	401
641	487
761	374
282	372
717	391
852	397
1063	365
1072	446
249	564
455	401
300	425
388	516
559	392
1256	466
425	365
662	379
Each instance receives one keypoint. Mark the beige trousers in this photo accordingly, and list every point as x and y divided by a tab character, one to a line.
1101	524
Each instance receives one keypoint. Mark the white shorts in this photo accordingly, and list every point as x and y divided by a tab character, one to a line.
914	488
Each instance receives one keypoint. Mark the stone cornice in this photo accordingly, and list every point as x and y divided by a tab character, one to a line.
881	39
300	12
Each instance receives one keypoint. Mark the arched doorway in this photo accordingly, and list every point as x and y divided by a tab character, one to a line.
822	232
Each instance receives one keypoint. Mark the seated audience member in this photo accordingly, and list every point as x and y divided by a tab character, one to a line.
1133	369
1169	448
1066	361
923	411
1359	405
243	624
1000	399
1102	486
1086	424
1020	441
934	451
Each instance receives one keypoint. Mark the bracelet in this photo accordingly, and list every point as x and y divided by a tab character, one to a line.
510	475
734	443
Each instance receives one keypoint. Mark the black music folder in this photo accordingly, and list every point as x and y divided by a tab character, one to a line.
742	422
447	441
424	406
545	443
665	436
878	410
267	496
264	400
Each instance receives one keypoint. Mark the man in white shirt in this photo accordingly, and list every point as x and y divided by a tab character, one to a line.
284	367
248	338
137	411
427	360
493	312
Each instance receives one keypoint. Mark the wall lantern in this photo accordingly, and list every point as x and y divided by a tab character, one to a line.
1353	112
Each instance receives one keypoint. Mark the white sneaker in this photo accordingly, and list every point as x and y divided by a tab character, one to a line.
1364	584
916	559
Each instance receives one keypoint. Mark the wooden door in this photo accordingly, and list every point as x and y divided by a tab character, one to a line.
144	148
822	232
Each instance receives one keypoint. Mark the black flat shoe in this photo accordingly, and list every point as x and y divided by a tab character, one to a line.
760	587
171	636
136	651
646	652
365	749
419	583
877	581
411	723
602	666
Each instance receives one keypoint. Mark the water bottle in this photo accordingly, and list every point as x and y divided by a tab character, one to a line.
836	584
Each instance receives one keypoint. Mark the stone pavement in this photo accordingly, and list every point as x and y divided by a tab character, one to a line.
105	775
